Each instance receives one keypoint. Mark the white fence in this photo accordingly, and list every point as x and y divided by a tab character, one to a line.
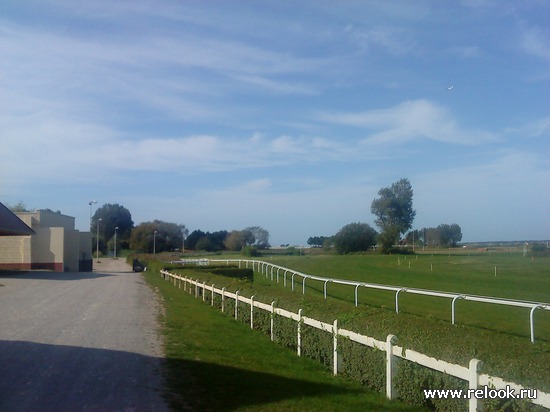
275	270
393	352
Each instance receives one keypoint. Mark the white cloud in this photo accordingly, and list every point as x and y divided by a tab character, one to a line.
411	120
534	41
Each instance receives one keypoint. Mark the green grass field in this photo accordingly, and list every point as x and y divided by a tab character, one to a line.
216	364
517	277
499	336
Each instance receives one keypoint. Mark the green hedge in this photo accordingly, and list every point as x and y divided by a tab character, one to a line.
361	363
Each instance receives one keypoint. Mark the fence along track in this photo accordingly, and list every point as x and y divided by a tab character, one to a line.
393	352
269	268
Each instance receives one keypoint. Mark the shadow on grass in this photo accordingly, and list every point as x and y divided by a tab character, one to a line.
213	387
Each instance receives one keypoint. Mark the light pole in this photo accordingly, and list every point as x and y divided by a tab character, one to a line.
91	203
97	239
155	242
116	228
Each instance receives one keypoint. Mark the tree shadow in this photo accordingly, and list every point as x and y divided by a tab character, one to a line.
44	377
49	275
214	387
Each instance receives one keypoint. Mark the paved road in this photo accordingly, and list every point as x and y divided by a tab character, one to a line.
80	341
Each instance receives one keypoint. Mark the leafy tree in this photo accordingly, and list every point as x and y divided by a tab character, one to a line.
168	236
112	216
394	212
215	240
193	238
449	235
204	243
238	239
354	237
442	235
18	207
261	236
317	241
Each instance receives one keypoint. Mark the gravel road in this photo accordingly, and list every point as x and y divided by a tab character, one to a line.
80	341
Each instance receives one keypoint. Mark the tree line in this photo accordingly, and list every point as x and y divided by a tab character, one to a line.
113	222
394	216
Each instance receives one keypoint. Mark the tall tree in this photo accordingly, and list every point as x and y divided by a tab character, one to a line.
157	236
394	212
261	236
112	216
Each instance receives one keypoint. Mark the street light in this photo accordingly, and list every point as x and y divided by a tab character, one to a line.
91	203
116	228
97	238
155	242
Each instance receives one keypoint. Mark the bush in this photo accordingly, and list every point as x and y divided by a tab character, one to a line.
250	251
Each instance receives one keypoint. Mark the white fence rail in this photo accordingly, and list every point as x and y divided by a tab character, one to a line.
393	352
275	271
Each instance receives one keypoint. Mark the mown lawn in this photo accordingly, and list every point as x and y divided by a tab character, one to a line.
214	363
497	335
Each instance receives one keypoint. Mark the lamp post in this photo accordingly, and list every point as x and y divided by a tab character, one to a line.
116	228
91	203
155	242
97	239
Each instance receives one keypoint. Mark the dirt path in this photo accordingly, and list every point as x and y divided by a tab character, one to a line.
80	341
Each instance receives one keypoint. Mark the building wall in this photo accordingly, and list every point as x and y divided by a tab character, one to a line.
15	252
47	247
55	246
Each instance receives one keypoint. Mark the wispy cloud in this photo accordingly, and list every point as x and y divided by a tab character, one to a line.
411	120
390	40
534	41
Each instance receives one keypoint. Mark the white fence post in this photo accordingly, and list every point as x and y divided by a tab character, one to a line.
272	321
212	303
335	347
391	367
196	288
299	340
223	299
473	381
204	291
236	304
252	312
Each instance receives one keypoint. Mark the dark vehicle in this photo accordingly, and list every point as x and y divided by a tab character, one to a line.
137	266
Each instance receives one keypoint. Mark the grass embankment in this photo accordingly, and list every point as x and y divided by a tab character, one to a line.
497	335
214	363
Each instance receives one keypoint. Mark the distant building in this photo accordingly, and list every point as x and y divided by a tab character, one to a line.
51	242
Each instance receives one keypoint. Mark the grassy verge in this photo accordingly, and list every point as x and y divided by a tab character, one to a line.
214	363
505	355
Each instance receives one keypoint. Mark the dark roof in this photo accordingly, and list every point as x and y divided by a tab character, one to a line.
11	225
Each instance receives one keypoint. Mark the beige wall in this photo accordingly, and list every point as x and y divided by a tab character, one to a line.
15	252
55	246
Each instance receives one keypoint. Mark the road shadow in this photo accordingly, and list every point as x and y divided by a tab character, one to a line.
49	275
44	377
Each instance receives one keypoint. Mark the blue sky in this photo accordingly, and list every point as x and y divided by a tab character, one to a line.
287	115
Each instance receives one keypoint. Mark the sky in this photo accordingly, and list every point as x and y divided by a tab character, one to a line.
220	115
